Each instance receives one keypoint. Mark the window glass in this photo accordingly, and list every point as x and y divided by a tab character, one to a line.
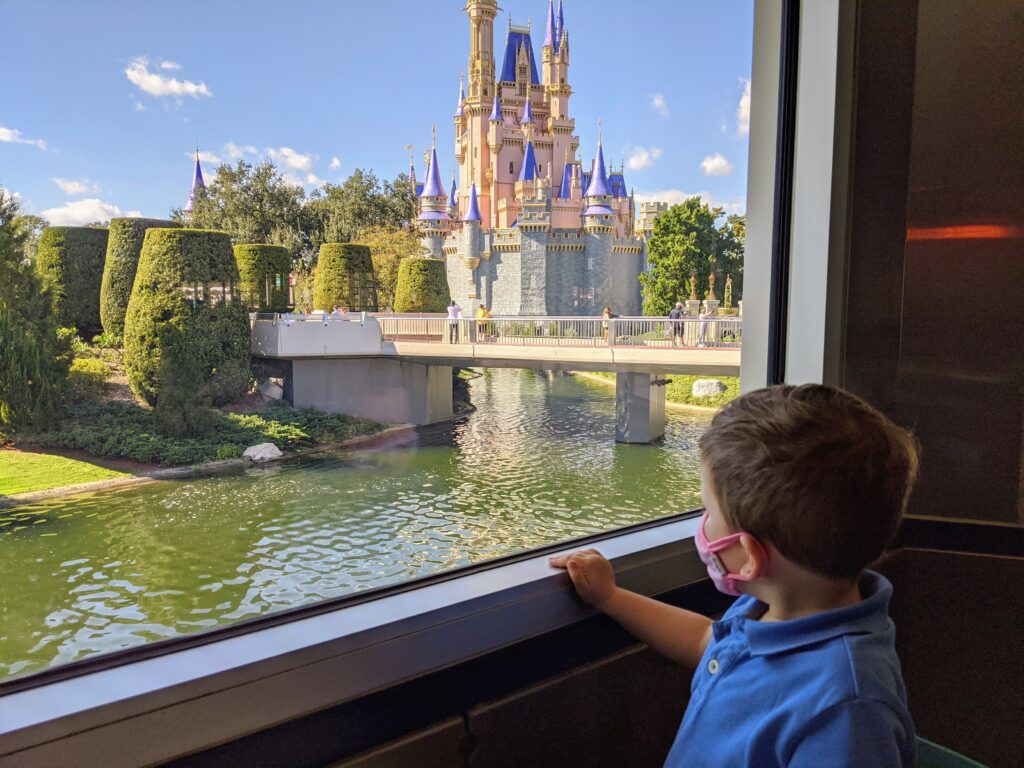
633	198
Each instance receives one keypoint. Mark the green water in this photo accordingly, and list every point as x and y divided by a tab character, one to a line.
536	463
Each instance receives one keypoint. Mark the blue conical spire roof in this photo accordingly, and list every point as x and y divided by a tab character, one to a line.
559	26
198	185
527	113
599	177
496	109
433	187
550	35
565	191
462	98
454	191
529	170
473	214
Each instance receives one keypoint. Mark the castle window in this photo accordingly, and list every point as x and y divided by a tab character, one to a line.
590	262
511	167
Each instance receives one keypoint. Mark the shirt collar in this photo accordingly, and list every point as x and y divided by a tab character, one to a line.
869	616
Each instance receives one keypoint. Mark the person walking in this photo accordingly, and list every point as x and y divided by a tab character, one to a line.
703	327
454	315
676	316
482	325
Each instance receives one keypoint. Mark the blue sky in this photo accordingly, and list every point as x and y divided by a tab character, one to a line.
104	102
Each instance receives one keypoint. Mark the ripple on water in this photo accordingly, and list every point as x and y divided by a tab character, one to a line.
536	463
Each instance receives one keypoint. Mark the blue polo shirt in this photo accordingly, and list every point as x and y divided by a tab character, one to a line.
821	690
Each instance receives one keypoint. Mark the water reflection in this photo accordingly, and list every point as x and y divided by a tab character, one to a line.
536	463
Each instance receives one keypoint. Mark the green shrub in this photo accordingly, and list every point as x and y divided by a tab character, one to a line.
87	378
263	274
186	333
229	451
71	260
120	429
344	275
422	286
119	265
33	356
107	341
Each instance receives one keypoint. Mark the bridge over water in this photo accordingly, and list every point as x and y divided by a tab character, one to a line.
397	368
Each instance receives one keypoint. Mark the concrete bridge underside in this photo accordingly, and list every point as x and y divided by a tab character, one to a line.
347	368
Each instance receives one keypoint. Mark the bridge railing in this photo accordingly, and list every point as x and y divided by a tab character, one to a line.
711	332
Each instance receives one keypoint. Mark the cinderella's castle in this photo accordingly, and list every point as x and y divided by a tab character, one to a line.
527	230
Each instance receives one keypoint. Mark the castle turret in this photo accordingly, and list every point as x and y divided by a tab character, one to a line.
434	220
459	109
198	186
481	48
598	215
527	118
473	210
453	200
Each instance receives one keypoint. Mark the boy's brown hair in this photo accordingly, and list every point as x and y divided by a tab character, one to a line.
813	470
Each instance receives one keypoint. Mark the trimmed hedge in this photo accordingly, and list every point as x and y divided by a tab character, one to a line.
122	259
344	275
185	344
71	260
422	286
263	272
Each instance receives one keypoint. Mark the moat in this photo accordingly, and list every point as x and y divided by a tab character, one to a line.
535	463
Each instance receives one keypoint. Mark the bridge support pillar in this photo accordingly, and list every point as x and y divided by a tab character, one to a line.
639	407
388	391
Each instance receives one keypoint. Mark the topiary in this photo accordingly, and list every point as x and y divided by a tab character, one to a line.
422	286
344	275
263	273
120	263
71	260
186	339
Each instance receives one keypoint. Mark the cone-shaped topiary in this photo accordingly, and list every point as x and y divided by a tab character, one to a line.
263	271
186	333
123	248
422	286
71	260
344	275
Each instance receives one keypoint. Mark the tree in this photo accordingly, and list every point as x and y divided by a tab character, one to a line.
685	242
388	246
344	276
34	358
362	201
253	204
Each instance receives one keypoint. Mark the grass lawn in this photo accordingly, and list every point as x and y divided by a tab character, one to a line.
681	388
22	472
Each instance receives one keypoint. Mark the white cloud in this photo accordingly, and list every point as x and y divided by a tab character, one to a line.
236	152
676	196
76	187
716	165
316	181
137	106
743	111
658	104
134	214
294	160
642	157
156	84
80	212
13	136
335	163
210	158
11	193
170	65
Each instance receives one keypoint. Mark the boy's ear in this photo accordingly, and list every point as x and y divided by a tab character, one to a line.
753	565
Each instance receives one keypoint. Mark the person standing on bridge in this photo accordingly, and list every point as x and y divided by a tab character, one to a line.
675	315
454	315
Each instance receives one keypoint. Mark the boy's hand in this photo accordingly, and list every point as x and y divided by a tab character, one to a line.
591	574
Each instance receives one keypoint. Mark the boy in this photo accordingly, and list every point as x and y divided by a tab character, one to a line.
803	489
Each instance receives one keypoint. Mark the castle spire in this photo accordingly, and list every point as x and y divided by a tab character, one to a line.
559	26
529	170
433	187
598	177
473	212
550	35
198	185
496	109
462	98
527	114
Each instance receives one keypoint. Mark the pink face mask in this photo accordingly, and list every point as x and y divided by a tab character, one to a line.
708	551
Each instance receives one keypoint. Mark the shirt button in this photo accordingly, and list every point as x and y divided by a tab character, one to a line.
713	666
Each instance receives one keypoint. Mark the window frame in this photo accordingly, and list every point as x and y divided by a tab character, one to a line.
190	693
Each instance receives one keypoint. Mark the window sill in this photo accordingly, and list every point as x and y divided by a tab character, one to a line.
192	699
